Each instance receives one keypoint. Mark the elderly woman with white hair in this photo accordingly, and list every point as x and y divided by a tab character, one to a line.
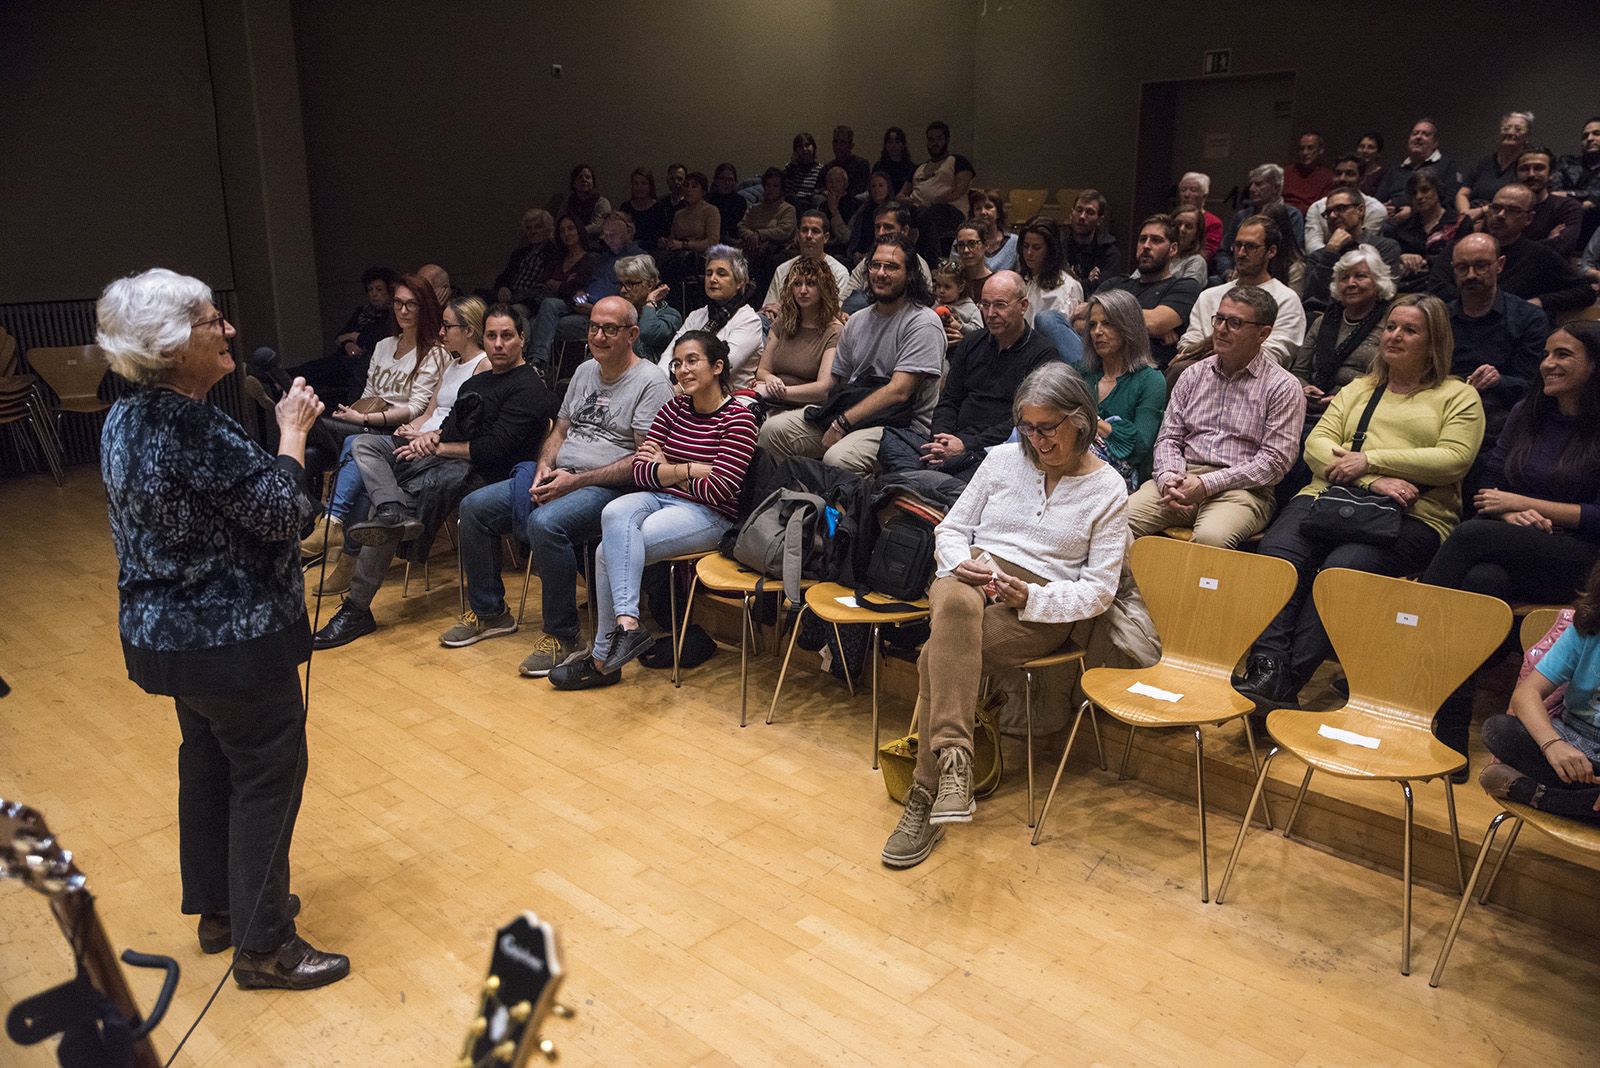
1193	188
212	611
1343	341
1033	545
727	314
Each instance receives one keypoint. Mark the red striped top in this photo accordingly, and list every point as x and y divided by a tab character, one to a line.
725	439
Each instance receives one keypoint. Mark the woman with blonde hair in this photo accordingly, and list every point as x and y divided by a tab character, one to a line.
796	365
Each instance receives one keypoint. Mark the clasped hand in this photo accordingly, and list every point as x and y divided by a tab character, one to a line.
418	446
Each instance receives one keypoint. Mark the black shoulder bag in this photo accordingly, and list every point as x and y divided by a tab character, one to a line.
1341	514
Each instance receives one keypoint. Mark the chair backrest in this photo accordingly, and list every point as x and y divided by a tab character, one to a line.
73	371
1208	604
1536	624
1405	645
1024	204
8	353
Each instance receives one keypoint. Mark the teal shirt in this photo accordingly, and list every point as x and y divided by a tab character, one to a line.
1133	408
1574	659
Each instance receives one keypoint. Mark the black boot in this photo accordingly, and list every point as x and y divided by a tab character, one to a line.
388	522
1455	732
1264	682
350	622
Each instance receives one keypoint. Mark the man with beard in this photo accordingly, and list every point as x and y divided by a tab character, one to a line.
1346	175
939	192
1555	221
1346	220
1532	271
1253	248
1166	300
1579	177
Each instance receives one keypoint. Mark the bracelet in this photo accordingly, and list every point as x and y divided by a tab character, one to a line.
843	423
1551	742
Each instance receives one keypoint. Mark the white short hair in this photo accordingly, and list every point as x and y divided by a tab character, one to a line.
1375	266
1203	179
1270	172
145	317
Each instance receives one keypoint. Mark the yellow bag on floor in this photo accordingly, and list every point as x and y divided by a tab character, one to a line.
898	759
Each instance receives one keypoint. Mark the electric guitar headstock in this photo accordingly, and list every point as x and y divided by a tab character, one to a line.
520	991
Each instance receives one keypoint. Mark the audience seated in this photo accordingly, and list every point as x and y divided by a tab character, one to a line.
518	280
960	313
339	376
1129	391
1193	188
938	192
1000	250
1167	298
677	174
1342	343
856	168
729	202
569	273
1307	179
1346	175
1589	262
1422	151
1483	179
1422	431
886	371
810	242
497	420
803	174
1188	258
1266	190
1009	586
727	314
1254	247
1552	763
695	227
581	202
768	227
1231	429
880	192
893	219
1537	532
967	249
1428	230
895	161
980	381
639	283
1347	231
689	469
1091	251
438	279
650	215
1578	176
1289	263
796	365
555	504
839	206
1555	221
1053	294
1369	150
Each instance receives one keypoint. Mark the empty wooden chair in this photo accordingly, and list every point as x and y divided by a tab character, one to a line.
1024	204
74	373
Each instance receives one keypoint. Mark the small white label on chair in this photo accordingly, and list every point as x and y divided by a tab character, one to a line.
1208	583
1405	619
848	602
1146	690
1351	737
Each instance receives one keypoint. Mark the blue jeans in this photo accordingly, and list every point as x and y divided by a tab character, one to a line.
639	529
1058	331
555	533
553	318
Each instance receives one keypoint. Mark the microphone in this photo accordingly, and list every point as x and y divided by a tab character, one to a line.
264	365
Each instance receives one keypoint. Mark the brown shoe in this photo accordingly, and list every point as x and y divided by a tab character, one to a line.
295	965
216	929
340	571
327	534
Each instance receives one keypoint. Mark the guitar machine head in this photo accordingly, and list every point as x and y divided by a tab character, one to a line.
524	974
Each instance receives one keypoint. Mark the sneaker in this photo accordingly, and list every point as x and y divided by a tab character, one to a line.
626	646
472	629
954	803
388	522
915	835
549	653
581	674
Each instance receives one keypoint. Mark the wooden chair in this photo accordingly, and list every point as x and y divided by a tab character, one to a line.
1024	204
1582	836
74	373
835	604
721	575
1404	647
1208	605
1067	654
23	409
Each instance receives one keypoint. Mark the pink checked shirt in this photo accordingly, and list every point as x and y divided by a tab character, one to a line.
1248	425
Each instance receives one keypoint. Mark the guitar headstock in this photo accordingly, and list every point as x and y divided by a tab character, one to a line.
524	974
31	854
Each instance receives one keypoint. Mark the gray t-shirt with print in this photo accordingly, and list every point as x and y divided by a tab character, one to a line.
604	416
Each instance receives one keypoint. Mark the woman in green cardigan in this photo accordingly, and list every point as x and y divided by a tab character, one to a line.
1122	376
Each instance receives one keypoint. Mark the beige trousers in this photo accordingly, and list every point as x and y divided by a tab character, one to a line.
1225	521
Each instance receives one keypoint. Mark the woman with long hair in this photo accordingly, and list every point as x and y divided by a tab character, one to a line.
1053	294
896	162
581	201
797	359
1130	392
1190	260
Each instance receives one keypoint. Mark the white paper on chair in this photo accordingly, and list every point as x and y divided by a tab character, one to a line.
1144	689
1351	737
848	602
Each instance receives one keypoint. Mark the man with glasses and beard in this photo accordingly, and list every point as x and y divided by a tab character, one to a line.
1254	246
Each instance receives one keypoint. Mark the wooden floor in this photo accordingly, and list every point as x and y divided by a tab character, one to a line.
718	891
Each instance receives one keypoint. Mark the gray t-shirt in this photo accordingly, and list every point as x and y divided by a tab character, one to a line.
910	339
605	416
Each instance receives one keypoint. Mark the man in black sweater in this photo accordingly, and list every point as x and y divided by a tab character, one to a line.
974	410
1532	271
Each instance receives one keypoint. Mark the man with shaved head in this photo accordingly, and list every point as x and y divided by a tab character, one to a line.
974	410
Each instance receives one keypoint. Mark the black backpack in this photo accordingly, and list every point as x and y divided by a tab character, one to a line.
902	563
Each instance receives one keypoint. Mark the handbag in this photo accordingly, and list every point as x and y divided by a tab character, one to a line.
898	759
1341	514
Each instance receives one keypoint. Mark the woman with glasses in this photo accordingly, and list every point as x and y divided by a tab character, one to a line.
972	237
212	612
690	469
1033	545
727	314
640	284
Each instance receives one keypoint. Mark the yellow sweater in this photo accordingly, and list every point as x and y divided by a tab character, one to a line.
1429	438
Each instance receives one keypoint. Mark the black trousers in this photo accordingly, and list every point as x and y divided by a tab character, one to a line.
241	769
1508	739
1295	637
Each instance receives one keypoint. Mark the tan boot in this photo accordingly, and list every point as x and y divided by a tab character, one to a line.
329	532
337	580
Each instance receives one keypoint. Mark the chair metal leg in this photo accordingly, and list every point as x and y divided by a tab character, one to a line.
1511	840
1299	797
1094	727
1200	800
877	655
1027	707
683	625
1405	878
1038	828
426	583
1455	833
1244	828
794	634
1472	884
672	618
527	578
844	665
405	584
1255	765
746	626
1127	751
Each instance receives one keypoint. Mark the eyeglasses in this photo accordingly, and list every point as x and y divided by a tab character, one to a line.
219	321
1341	207
1507	209
965	246
610	330
884	267
451	326
995	305
1247	246
406	305
1040	430
1232	322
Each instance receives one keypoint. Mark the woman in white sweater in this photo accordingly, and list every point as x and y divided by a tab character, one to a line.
727	314
1034	545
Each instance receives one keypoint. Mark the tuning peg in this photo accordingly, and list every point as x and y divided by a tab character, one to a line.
548	1048
566	1012
505	1051
478	1027
521	1011
491	985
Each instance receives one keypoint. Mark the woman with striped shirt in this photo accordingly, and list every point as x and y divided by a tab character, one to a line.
690	469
